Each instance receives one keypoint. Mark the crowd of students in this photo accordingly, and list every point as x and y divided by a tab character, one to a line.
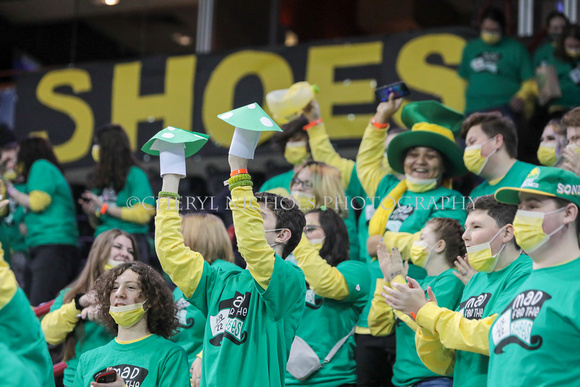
368	272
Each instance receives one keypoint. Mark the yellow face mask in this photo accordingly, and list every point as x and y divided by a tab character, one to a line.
419	253
474	161
574	147
10	175
306	201
481	258
127	315
573	53
295	152
95	152
547	154
420	185
529	231
111	263
490	38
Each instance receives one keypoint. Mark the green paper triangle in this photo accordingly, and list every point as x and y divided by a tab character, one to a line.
192	141
250	117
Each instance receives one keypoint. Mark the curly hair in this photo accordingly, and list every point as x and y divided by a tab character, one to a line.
451	231
115	157
161	308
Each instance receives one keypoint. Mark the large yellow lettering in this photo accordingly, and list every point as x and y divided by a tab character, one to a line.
272	70
174	106
439	81
322	62
78	110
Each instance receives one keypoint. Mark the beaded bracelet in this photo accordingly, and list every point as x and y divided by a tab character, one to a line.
242	183
170	195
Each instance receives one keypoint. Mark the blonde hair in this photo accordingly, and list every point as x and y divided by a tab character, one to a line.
326	186
207	235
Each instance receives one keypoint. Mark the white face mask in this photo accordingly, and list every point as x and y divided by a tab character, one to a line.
317	241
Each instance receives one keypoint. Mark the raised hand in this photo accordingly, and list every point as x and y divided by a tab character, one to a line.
464	269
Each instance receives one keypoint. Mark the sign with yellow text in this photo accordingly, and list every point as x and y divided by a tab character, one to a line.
189	91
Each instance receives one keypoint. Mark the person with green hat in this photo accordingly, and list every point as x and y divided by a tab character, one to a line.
537	333
428	157
456	342
491	149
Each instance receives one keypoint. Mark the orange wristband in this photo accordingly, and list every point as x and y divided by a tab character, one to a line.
414	316
238	171
103	210
379	125
311	124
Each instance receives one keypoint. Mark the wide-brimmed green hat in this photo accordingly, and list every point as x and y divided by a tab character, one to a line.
433	112
432	125
546	181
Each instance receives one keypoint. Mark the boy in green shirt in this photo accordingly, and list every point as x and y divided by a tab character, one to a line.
534	340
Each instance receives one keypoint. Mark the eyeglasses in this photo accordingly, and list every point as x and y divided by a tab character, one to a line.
311	227
305	183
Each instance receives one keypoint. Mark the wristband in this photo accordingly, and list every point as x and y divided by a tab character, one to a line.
77	300
414	316
238	172
169	195
236	178
311	124
378	125
103	209
11	191
241	183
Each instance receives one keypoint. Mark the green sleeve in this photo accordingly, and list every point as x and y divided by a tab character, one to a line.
463	69
358	278
448	290
138	185
79	376
175	371
41	178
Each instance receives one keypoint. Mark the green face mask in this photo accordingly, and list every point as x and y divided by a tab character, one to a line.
295	152
127	315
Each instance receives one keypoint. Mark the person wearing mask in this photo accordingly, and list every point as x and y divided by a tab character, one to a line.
438	247
20	332
52	232
72	318
556	22
566	60
337	293
456	342
252	314
571	124
118	181
551	149
537	332
491	149
136	305
497	69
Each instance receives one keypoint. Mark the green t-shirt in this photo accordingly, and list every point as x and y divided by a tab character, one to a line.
137	192
374	269
57	224
514	178
413	209
484	295
150	362
494	73
91	336
249	330
282	180
326	321
543	55
14	371
569	77
535	339
408	368
20	331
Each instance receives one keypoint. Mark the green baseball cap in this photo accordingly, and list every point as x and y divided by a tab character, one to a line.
546	181
432	112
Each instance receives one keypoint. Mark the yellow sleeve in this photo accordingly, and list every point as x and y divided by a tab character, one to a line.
325	280
59	323
369	159
322	150
402	240
139	214
528	90
381	317
433	353
8	284
454	330
249	227
184	267
39	201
